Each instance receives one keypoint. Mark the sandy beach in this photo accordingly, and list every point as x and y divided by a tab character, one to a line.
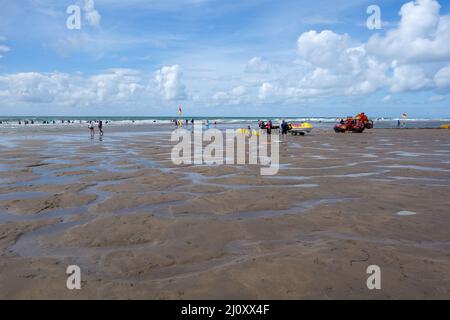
141	227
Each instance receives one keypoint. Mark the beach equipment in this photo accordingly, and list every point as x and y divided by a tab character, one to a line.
356	125
445	126
300	128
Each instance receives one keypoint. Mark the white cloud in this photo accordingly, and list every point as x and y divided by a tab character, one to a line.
409	78
114	87
168	80
257	65
412	56
422	35
336	65
235	96
442	78
339	66
325	49
265	91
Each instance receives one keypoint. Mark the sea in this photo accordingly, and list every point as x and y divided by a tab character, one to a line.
318	122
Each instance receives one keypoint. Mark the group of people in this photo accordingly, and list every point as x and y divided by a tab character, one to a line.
266	126
27	122
360	120
284	127
92	128
179	123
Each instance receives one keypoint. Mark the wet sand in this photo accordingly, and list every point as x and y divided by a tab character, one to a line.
140	227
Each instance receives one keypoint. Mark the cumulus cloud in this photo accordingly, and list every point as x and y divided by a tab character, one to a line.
265	91
336	65
235	96
112	87
168	80
412	56
409	78
442	78
421	36
325	49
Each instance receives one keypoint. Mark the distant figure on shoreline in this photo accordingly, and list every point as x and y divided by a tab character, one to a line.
284	129
100	127
398	123
91	129
269	127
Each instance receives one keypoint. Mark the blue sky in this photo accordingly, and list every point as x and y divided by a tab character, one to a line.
224	58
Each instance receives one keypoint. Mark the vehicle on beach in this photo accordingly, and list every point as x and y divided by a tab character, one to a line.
356	125
300	128
293	128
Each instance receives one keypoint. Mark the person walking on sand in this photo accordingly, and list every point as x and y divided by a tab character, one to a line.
91	129
100	127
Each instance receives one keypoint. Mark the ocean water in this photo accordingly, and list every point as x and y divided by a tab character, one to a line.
318	122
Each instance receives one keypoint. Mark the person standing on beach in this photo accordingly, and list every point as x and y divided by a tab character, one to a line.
91	129
284	129
269	127
100	127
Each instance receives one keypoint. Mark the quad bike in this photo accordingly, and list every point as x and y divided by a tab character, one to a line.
352	125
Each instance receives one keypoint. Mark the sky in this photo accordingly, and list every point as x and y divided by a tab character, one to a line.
229	58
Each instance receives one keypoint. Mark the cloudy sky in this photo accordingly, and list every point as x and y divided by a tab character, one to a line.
224	58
